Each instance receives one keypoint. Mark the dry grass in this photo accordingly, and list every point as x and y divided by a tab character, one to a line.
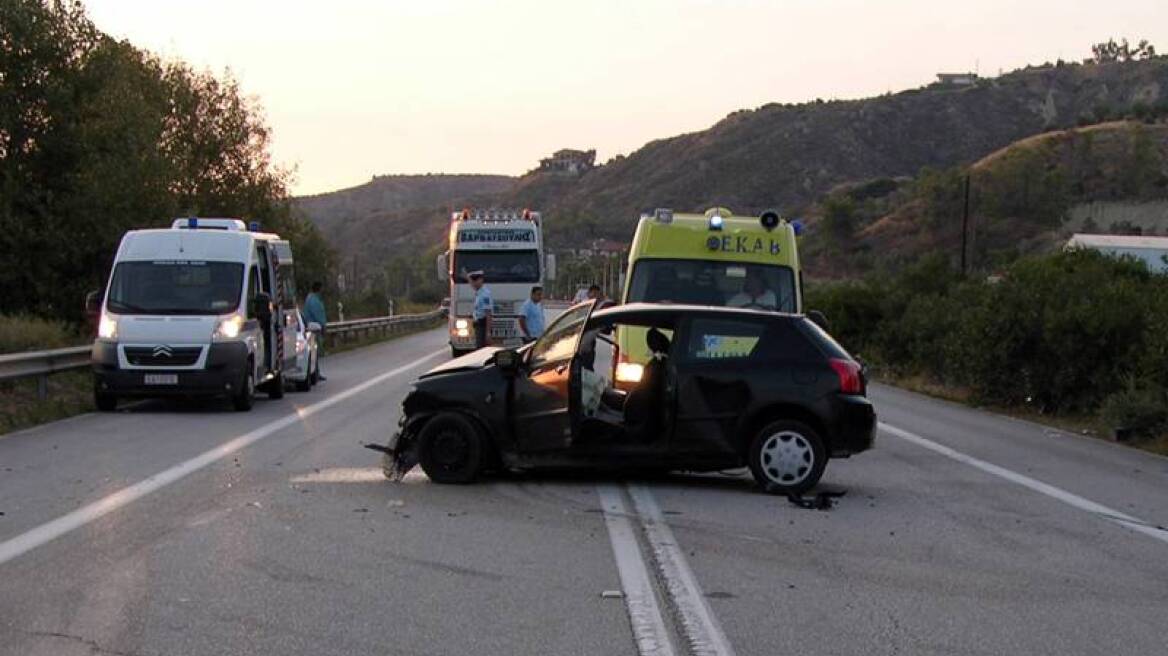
70	393
1087	425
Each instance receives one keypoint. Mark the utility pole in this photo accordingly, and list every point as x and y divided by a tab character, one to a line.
965	226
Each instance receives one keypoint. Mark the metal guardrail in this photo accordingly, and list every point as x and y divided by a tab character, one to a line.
342	331
41	364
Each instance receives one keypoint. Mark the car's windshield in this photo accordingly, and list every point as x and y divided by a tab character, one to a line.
497	266
175	287
707	282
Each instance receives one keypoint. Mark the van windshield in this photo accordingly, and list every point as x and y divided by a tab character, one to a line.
175	287
709	282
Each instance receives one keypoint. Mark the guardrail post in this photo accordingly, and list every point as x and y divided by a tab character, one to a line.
42	387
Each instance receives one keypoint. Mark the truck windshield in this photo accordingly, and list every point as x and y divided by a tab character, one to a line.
498	266
708	282
175	287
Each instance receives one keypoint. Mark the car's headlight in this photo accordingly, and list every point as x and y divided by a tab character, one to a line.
629	372
107	327
229	328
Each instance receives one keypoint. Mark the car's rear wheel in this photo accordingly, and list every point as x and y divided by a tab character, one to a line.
787	457
304	385
450	449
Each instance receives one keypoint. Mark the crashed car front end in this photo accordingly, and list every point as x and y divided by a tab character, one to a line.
400	454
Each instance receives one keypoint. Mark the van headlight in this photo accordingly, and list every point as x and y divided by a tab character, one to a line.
229	327
107	327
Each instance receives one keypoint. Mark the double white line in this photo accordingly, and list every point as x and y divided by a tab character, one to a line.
701	630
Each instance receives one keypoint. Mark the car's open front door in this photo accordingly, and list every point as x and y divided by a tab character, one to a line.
543	399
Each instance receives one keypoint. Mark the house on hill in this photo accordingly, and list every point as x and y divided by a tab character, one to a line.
568	161
1152	251
957	79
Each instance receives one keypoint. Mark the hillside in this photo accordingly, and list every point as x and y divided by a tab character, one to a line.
788	156
1024	198
785	156
391	193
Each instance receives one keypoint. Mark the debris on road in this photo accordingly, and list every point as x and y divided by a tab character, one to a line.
395	503
821	501
612	594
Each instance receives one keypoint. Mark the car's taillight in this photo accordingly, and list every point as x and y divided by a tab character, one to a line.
850	380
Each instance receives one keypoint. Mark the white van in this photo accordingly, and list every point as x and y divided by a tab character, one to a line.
200	309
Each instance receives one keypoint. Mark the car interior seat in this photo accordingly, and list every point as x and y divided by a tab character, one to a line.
643	406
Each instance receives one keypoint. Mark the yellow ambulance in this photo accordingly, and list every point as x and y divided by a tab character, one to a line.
714	258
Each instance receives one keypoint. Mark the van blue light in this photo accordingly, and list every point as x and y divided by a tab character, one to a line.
797	224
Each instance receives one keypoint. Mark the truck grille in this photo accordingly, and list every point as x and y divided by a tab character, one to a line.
163	356
504	308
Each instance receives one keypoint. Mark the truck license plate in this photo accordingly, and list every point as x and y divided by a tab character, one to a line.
162	379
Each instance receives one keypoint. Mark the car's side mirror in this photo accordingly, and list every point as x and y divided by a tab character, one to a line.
93	303
818	318
262	306
508	361
313	327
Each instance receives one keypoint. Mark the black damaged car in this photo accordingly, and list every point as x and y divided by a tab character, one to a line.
724	388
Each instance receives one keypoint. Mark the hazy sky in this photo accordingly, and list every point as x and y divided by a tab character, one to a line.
353	88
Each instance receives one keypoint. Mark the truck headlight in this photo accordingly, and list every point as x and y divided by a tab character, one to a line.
461	328
107	327
229	328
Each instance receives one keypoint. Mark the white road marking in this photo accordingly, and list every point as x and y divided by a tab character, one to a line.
1127	521
644	614
54	529
701	628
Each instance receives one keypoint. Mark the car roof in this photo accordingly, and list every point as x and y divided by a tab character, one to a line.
661	310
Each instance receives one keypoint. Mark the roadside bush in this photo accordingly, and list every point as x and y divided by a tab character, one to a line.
1144	411
24	333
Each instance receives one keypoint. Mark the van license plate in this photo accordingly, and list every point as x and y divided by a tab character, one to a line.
162	379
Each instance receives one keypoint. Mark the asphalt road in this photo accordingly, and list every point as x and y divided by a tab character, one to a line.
190	529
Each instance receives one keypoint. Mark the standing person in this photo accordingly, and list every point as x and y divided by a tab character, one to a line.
314	311
531	319
596	294
484	307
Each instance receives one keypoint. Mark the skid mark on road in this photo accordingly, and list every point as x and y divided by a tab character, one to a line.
702	629
1127	521
649	630
54	529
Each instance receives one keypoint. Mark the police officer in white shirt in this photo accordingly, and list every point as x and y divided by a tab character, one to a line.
484	307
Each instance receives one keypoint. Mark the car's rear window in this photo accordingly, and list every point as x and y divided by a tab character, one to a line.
821	338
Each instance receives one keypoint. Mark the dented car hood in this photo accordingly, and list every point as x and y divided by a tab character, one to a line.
469	362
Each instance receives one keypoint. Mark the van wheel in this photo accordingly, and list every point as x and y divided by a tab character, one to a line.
244	399
105	401
276	387
450	449
787	457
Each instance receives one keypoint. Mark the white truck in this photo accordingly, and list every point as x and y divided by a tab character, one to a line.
507	245
205	308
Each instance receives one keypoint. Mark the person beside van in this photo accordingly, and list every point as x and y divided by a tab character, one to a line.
484	307
314	311
531	317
